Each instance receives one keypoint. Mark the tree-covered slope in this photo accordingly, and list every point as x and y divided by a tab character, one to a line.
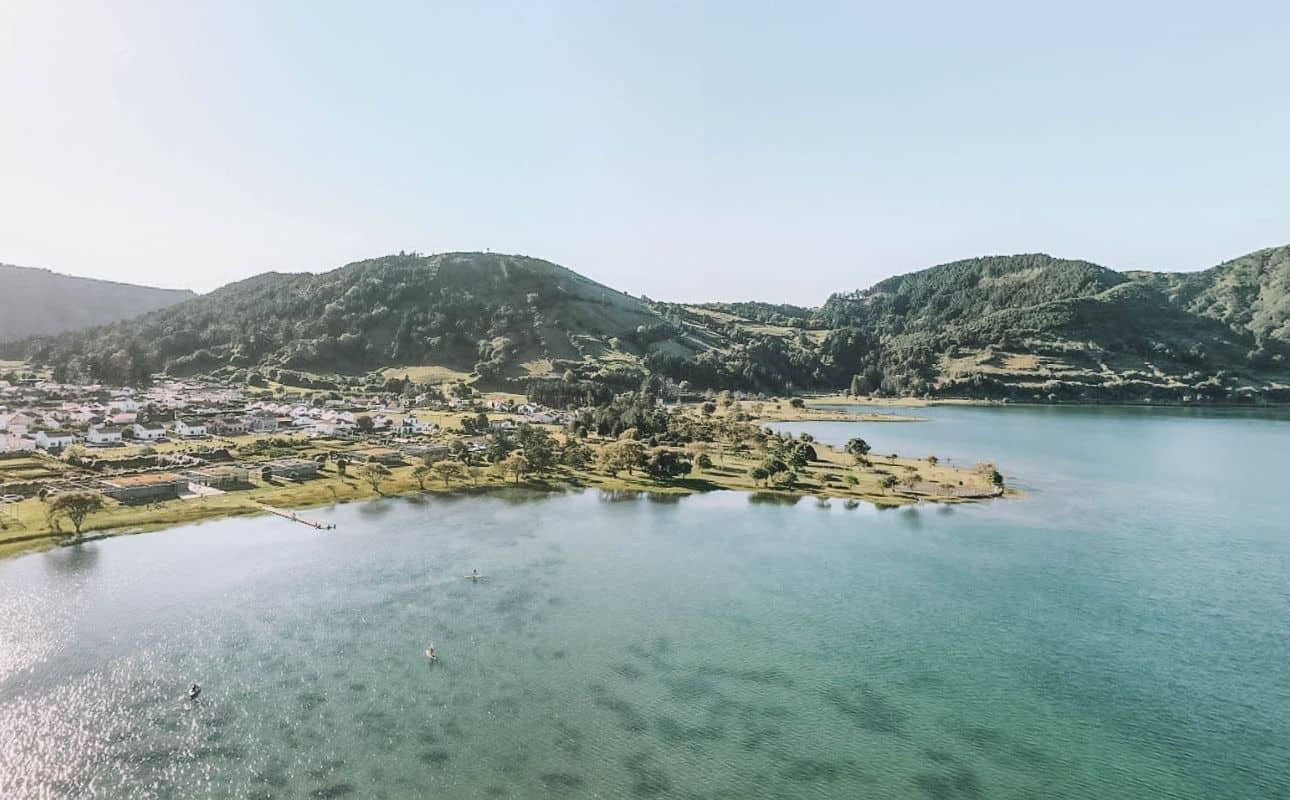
1037	327
486	313
1250	293
1025	327
37	302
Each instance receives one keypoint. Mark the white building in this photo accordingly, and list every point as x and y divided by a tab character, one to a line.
150	432
54	440
411	426
16	424
103	434
9	443
189	431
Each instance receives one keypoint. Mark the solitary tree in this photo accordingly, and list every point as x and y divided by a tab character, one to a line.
517	465
446	469
76	506
887	482
858	448
421	473
375	473
364	424
341	465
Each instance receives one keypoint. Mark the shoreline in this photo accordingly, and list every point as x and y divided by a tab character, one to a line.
927	483
920	402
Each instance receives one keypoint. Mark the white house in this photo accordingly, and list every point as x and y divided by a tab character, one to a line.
124	404
103	434
188	430
10	443
16	424
149	432
410	425
54	440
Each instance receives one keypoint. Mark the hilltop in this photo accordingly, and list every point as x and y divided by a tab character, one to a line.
38	302
1024	327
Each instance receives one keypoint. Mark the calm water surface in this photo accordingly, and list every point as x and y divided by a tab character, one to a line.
1123	631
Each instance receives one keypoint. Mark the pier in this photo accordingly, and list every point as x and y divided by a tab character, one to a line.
295	517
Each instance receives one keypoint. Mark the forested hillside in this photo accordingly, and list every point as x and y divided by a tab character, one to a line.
1025	327
37	302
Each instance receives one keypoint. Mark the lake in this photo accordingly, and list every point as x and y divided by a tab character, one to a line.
1120	631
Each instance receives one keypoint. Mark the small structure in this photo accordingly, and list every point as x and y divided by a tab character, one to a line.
381	455
149	431
189	430
54	440
101	435
295	469
222	477
145	488
230	426
424	452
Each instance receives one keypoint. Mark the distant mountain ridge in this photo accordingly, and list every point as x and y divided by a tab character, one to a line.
1023	327
39	302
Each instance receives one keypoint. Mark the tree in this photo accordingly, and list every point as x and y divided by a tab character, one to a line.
364	424
76	506
518	466
342	464
759	475
499	445
704	461
665	463
887	482
575	455
621	455
446	469
375	473
538	447
785	480
858	448
797	402
421	473
74	454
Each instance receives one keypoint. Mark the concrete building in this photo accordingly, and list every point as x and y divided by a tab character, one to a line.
145	488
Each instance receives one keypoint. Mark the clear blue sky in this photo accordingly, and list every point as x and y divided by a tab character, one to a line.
686	151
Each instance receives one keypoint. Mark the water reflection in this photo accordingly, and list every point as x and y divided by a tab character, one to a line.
773	499
75	559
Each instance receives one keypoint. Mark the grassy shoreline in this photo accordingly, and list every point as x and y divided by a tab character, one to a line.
824	478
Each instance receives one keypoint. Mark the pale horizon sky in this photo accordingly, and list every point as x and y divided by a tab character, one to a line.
709	151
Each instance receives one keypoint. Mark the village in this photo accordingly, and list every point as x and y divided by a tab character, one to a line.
91	458
188	439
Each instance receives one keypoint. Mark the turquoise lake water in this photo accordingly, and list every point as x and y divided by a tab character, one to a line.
1121	631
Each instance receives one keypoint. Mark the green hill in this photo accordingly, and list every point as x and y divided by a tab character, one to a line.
1036	327
495	316
37	302
1025	327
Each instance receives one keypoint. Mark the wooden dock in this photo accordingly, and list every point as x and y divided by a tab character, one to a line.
295	517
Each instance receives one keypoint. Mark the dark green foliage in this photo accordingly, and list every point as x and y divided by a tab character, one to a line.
538	447
1027	327
664	463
